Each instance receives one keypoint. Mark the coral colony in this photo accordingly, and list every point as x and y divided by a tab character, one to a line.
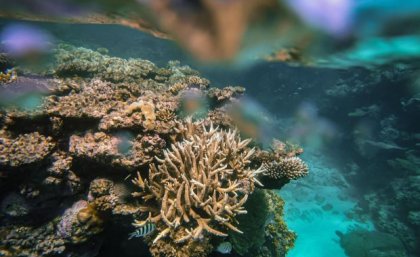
125	146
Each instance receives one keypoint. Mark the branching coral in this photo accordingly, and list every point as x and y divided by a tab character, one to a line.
199	186
288	168
281	164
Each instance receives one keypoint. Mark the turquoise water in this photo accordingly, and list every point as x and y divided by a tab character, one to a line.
305	199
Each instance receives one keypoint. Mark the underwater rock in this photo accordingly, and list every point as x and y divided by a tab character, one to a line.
30	241
369	111
14	205
362	243
263	227
5	62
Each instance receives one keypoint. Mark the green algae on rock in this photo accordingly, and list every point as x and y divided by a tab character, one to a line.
265	233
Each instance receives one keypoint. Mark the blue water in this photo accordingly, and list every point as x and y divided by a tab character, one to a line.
316	228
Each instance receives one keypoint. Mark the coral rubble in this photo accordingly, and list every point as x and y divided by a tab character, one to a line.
104	122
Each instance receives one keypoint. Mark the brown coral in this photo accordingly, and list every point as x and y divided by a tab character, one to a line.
189	82
148	111
189	249
288	168
104	148
25	149
60	173
227	93
197	188
93	100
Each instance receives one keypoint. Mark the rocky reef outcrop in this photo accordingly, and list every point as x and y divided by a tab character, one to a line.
115	147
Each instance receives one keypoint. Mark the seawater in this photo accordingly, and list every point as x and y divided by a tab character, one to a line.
301	105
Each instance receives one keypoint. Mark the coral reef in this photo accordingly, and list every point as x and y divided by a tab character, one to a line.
102	122
395	207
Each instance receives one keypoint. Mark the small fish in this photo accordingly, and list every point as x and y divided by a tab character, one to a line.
143	230
224	248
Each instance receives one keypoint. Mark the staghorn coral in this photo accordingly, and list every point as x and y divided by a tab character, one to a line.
198	186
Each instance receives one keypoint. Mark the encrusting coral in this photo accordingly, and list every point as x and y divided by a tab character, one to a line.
201	184
25	149
67	164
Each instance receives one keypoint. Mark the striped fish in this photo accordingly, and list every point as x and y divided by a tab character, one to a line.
144	230
224	248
